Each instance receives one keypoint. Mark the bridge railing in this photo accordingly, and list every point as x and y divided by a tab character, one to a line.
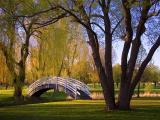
81	85
56	80
67	83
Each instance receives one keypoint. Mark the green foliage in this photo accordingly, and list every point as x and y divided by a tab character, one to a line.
48	55
81	71
117	73
54	96
148	87
151	74
5	77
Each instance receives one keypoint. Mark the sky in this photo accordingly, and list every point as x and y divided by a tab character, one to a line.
119	47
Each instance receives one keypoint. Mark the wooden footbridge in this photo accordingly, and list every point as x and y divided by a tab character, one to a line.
71	87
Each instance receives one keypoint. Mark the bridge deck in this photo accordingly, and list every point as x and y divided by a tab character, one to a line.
72	87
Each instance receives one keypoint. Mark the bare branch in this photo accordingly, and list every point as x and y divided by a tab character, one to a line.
38	13
154	14
51	21
117	25
78	19
137	42
94	23
144	64
97	16
127	44
90	7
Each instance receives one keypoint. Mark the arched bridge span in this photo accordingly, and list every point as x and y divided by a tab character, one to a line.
72	87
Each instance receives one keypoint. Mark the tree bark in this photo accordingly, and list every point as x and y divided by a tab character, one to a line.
117	84
18	92
155	84
123	100
128	67
138	92
108	93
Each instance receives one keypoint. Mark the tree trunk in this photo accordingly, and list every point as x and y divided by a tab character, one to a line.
18	85
123	99
18	93
94	85
108	93
105	82
124	104
155	84
19	81
138	92
117	84
60	71
7	86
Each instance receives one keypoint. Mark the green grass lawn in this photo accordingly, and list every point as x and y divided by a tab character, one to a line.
143	109
98	88
80	110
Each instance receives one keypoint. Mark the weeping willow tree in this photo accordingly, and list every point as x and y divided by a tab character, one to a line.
4	72
76	49
58	48
18	27
50	50
8	44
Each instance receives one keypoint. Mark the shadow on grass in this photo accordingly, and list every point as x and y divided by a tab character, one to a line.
78	110
47	97
48	107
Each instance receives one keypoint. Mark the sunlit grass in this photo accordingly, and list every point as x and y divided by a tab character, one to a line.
81	110
142	109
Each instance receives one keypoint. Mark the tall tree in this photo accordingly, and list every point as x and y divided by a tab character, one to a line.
17	30
135	18
15	53
151	74
53	41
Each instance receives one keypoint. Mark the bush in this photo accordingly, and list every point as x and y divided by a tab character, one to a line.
148	87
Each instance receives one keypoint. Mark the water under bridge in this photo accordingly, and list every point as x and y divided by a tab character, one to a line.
72	87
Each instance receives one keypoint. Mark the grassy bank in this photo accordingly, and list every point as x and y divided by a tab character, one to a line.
142	109
81	110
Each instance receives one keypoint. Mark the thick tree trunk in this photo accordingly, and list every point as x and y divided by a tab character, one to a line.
126	89
18	92
19	81
105	82
123	100
18	84
108	96
124	104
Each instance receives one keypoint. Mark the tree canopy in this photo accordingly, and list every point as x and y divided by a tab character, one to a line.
103	22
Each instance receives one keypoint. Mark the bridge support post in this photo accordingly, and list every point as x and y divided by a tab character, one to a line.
56	84
76	92
65	86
